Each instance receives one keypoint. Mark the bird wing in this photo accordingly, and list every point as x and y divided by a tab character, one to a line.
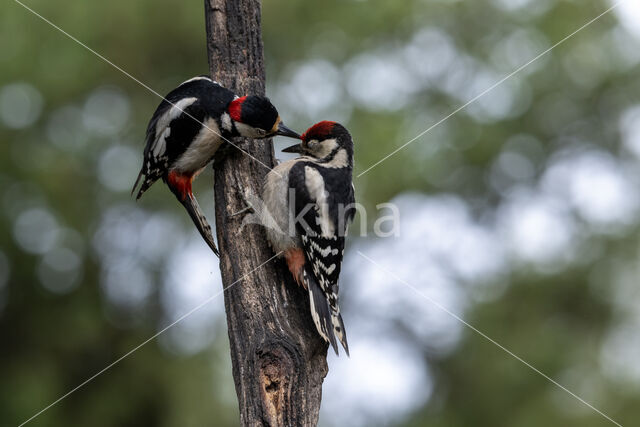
323	247
173	125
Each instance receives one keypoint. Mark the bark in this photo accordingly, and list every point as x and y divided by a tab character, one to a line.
279	360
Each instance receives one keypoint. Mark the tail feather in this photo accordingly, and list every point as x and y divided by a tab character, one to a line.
338	328
180	186
328	321
133	189
147	181
200	221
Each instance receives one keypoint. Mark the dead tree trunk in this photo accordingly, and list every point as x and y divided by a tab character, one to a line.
279	361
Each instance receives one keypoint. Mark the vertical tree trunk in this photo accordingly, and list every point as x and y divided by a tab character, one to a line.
279	361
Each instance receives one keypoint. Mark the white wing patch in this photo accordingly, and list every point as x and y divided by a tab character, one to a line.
162	126
160	145
315	186
175	111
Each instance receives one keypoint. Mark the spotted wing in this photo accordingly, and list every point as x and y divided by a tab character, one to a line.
176	122
323	245
171	128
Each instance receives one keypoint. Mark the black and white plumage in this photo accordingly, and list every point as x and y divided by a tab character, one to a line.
310	230
188	128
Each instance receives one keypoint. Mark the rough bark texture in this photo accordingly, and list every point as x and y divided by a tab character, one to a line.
279	361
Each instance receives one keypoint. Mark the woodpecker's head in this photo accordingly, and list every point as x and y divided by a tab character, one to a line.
325	140
256	117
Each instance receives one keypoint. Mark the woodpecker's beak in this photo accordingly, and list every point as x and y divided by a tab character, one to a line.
285	131
293	149
191	205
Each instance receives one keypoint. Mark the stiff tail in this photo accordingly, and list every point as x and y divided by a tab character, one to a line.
327	320
180	185
193	208
146	183
338	329
133	189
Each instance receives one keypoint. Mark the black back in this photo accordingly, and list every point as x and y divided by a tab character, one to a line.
211	101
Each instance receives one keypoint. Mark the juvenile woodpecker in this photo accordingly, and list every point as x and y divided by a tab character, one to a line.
310	200
189	126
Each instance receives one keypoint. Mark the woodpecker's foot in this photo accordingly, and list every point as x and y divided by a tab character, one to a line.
242	211
248	205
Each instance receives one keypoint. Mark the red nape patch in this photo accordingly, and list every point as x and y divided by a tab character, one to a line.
181	184
235	109
295	262
318	131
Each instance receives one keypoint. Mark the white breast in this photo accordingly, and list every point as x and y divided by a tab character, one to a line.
275	196
201	150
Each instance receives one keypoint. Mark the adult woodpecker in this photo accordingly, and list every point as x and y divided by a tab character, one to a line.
309	201
189	126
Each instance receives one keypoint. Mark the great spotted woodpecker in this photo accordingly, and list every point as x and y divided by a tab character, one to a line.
310	200
189	126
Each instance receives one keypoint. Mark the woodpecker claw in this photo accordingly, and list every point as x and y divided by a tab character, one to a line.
242	211
248	206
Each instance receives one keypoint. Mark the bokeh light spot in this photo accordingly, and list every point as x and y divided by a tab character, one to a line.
36	231
117	167
106	111
59	270
20	105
